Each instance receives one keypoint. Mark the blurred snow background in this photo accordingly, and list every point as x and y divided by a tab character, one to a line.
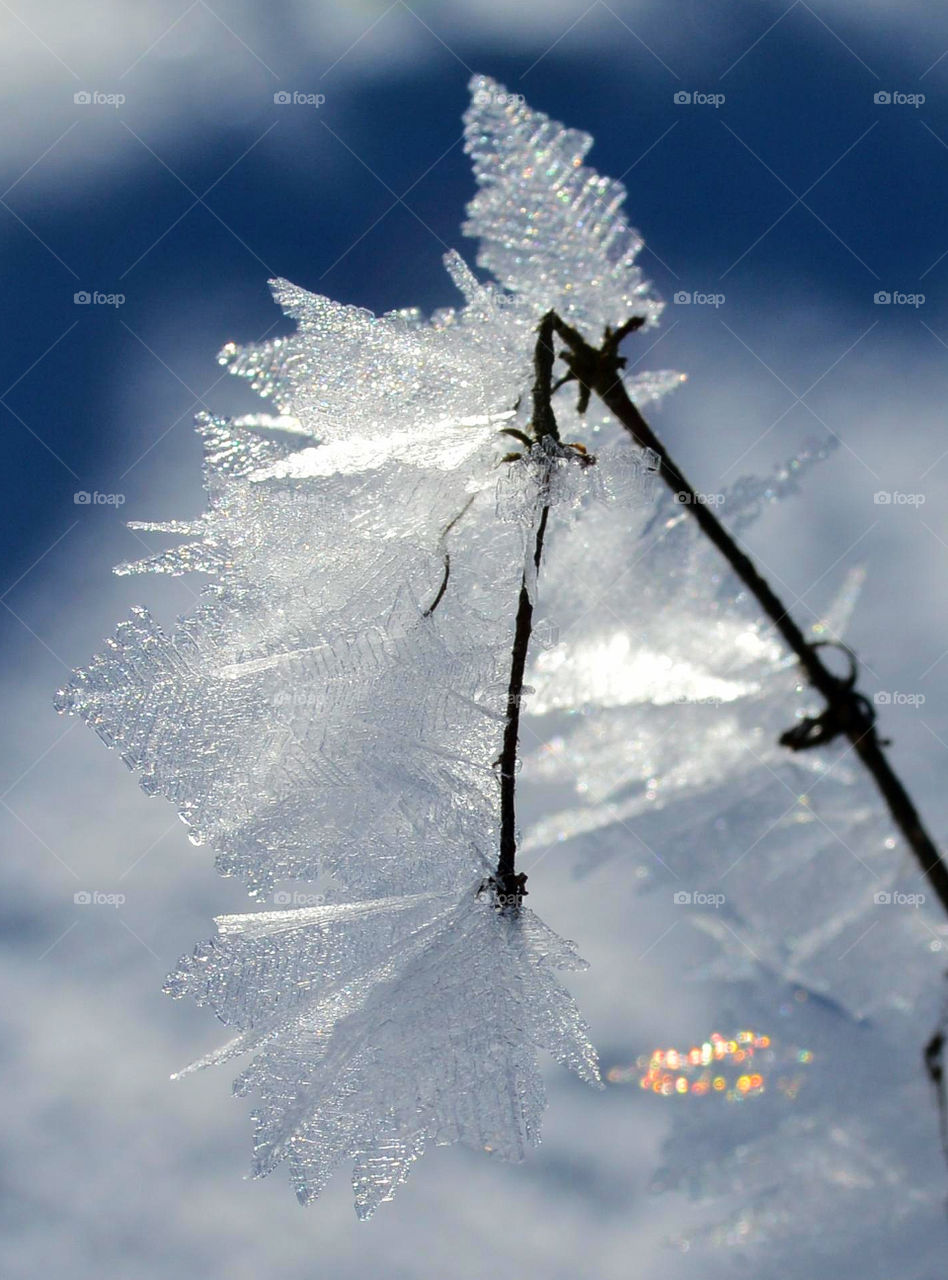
798	198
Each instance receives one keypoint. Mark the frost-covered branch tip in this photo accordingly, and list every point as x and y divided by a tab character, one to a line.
848	712
544	450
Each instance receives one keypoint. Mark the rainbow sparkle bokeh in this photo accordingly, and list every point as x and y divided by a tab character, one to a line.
732	1067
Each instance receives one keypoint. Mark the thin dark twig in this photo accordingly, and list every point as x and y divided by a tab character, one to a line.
509	886
935	1069
598	370
447	558
442	589
508	755
544	356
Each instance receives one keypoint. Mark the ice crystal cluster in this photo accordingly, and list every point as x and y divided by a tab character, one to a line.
333	710
335	704
653	763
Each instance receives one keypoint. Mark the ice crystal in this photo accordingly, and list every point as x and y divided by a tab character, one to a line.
654	727
550	229
334	706
676	701
382	1026
310	692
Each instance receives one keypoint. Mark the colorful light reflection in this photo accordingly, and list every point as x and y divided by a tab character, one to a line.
733	1067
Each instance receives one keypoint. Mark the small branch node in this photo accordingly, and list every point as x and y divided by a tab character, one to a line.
848	712
507	891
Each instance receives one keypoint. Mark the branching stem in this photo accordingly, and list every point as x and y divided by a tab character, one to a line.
597	370
510	885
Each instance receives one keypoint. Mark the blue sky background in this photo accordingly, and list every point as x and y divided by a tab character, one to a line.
798	198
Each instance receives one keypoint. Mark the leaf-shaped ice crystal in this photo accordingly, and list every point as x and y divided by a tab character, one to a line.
550	229
379	1027
336	704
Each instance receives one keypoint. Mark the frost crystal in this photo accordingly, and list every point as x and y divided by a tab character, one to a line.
379	1027
656	714
551	230
335	705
